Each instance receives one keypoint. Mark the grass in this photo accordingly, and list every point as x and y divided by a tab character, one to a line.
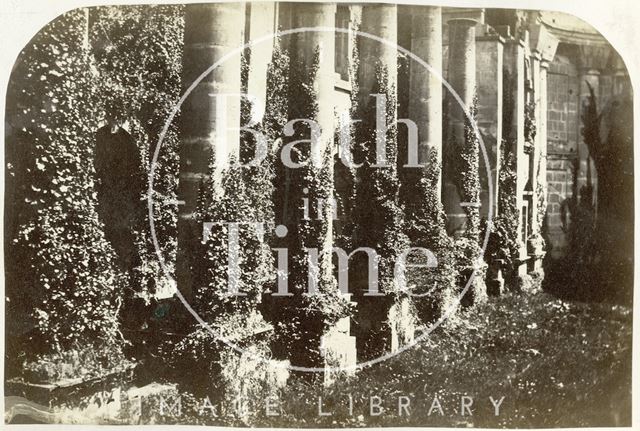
557	363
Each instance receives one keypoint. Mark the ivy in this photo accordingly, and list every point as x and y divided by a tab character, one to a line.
425	225
304	317
61	268
504	242
138	52
464	161
378	219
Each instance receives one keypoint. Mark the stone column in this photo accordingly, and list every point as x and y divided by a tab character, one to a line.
425	100
489	59
489	75
336	342
534	249
262	21
379	20
542	128
462	78
306	45
513	129
543	45
211	31
374	335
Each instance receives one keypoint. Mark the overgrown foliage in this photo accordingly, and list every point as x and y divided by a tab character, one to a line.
502	250
425	227
538	392
379	222
241	195
302	318
377	216
138	52
504	242
60	267
463	159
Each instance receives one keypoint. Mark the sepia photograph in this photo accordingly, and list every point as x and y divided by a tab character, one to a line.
318	215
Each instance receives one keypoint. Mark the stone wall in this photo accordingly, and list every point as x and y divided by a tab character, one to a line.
563	131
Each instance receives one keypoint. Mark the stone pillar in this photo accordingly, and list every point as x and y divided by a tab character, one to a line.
621	87
534	247
262	21
379	20
489	76
211	31
544	46
306	45
513	130
337	347
542	137
462	78
489	59
425	100
374	334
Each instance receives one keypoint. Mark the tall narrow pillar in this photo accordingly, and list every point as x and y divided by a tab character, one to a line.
462	78
211	31
262	21
543	45
534	246
489	75
542	125
374	328
379	20
307	44
425	100
513	132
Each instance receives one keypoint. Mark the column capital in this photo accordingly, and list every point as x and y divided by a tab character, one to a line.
462	22
451	14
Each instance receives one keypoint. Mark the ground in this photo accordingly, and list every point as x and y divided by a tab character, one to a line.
557	363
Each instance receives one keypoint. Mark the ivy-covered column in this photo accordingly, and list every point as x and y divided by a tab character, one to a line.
378	20
262	19
420	188
211	31
543	130
489	75
316	49
462	187
543	45
514	128
385	319
534	241
462	78
425	100
313	317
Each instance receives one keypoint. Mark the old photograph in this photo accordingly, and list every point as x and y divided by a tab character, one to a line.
318	215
